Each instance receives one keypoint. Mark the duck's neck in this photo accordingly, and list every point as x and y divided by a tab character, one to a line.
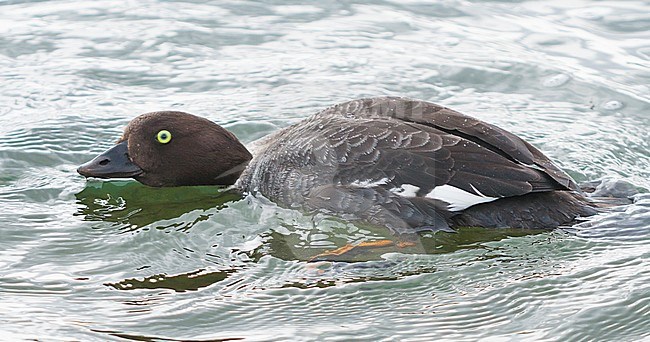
231	176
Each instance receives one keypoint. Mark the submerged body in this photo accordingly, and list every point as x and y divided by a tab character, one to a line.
405	164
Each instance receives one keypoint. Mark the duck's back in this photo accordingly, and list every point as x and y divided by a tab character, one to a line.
411	165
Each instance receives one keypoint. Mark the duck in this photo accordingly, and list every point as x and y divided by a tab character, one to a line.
404	164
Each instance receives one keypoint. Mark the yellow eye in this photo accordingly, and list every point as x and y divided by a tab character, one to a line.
164	136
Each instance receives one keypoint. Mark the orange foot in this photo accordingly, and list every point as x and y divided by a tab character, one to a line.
348	251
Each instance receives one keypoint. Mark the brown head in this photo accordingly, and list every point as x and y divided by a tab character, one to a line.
172	149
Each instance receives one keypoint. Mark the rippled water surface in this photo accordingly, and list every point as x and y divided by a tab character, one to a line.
96	261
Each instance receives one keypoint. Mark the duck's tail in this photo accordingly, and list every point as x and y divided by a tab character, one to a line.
547	210
540	210
608	192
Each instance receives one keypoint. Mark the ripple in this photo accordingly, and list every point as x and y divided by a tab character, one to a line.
613	105
556	80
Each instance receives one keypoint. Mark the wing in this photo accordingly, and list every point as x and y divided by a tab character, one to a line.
418	149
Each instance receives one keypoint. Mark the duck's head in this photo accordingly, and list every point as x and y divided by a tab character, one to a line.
172	149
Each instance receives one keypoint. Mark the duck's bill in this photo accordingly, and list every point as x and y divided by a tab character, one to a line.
114	163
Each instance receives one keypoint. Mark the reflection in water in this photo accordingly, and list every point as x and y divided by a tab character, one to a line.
133	205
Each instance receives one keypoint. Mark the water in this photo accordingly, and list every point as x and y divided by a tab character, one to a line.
97	261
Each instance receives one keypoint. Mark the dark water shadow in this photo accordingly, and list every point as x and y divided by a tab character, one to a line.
132	205
146	338
191	281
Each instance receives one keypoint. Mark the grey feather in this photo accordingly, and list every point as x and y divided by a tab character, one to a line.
355	158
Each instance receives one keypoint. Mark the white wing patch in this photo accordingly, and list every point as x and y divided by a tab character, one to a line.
368	183
406	190
458	199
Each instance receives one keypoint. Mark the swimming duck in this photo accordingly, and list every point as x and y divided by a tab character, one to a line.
405	164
